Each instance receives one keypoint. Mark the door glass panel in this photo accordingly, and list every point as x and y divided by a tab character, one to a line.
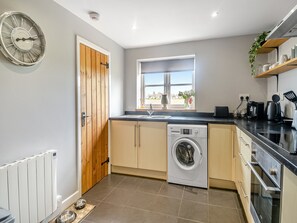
185	154
266	204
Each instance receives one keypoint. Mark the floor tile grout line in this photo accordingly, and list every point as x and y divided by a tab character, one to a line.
113	189
161	187
150	211
181	200
238	208
214	205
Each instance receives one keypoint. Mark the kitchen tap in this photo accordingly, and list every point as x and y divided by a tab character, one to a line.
150	111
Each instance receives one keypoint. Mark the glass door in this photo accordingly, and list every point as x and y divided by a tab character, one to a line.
186	154
265	196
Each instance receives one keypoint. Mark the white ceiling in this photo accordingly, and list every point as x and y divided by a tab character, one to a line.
170	21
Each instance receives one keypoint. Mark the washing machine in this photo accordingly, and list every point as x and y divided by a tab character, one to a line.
187	155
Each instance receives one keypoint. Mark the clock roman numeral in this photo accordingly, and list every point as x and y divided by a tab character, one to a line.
30	57
14	21
6	35
9	45
22	22
9	26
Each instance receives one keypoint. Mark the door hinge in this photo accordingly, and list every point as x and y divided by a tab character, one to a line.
105	64
106	161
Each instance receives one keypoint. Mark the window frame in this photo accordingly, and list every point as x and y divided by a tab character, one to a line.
167	84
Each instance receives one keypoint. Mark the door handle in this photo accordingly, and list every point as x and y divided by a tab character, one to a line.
138	135
83	118
266	188
135	135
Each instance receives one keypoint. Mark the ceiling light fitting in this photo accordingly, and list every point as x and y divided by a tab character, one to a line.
215	14
94	15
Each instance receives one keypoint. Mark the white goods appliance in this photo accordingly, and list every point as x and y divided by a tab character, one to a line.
187	155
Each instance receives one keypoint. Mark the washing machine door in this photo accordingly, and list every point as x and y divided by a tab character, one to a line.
186	153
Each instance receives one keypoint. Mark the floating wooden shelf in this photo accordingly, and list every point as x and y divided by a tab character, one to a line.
289	65
271	44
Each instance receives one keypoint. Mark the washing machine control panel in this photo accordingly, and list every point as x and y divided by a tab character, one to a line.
186	131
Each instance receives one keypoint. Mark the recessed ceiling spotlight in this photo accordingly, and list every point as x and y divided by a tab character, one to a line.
94	15
134	27
215	14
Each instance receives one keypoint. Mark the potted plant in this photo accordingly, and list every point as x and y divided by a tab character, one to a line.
188	97
259	41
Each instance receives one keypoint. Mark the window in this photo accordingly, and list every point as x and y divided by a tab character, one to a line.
170	76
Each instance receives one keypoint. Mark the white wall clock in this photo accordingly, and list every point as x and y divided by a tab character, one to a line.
21	39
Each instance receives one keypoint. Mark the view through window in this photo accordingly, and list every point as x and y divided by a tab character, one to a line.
166	77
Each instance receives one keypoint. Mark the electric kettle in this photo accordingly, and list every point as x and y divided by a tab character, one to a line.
273	111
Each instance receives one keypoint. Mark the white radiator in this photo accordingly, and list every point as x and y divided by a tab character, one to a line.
28	187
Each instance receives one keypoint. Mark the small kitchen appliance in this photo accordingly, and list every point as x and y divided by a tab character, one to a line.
291	96
273	109
221	112
255	110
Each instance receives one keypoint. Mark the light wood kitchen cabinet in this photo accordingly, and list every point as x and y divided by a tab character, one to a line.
243	172
289	197
152	152
139	148
220	151
123	143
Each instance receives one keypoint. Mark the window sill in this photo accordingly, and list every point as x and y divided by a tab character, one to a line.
167	110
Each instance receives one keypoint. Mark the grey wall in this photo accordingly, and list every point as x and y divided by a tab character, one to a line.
38	104
222	71
287	81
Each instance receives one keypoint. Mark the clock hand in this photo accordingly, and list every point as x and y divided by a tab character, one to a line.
24	39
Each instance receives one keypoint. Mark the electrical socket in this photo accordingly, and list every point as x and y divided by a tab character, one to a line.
244	95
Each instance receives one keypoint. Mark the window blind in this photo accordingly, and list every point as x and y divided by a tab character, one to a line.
173	65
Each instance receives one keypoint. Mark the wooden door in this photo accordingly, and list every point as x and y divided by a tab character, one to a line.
124	143
152	146
220	151
94	116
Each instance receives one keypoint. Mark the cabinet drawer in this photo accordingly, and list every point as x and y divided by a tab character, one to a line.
245	150
245	174
246	138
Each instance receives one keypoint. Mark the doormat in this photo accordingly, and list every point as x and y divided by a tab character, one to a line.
80	214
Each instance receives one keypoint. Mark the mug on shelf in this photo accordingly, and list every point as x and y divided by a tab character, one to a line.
283	58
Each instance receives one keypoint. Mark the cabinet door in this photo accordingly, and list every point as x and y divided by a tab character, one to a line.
289	197
220	151
123	143
152	146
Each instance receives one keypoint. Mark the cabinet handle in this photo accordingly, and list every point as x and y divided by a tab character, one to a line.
244	194
135	135
233	144
243	160
138	135
244	142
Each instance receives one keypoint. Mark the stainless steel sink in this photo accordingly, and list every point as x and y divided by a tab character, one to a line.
156	116
132	116
147	116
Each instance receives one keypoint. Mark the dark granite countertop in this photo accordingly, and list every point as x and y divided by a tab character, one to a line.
251	128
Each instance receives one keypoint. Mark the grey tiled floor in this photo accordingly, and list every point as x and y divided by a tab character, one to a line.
127	199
